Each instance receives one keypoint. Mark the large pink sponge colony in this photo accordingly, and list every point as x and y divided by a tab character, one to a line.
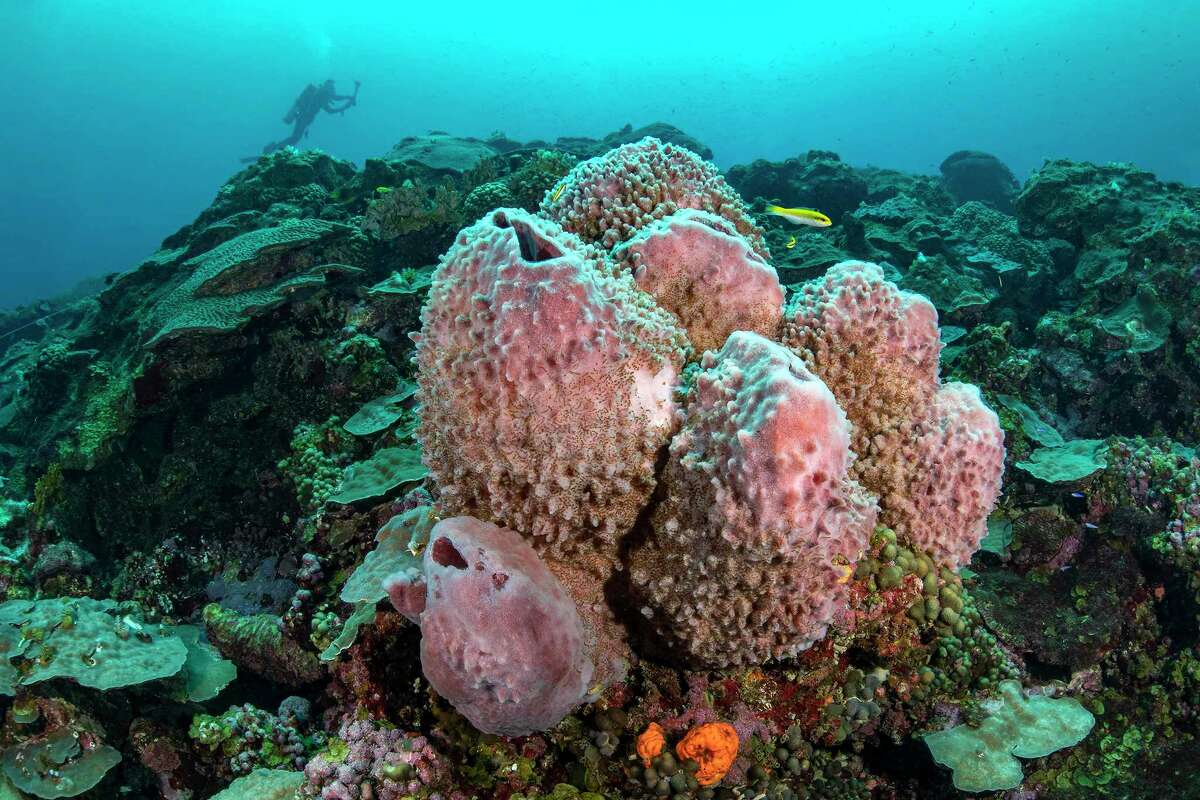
608	198
500	637
545	380
932	453
697	266
752	545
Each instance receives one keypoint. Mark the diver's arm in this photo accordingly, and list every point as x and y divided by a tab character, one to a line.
353	98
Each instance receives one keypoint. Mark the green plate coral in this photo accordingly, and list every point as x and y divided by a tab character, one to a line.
89	641
984	759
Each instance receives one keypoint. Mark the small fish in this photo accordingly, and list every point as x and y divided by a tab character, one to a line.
791	243
1077	494
382	189
800	216
558	192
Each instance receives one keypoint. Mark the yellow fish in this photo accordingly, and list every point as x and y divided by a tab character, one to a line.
558	192
800	216
791	243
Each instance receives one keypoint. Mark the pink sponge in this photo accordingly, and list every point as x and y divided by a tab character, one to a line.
700	268
752	544
961	452
545	385
608	198
933	454
500	637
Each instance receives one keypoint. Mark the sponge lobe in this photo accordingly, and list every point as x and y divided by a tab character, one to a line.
545	383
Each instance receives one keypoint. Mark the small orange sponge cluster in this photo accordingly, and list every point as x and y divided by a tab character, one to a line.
713	746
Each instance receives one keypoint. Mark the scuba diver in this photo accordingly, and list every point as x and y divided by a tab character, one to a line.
311	102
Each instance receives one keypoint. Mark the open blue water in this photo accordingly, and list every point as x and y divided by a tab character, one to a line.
122	117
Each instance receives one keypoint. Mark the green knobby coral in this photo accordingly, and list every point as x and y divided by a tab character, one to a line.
257	642
314	467
252	272
984	758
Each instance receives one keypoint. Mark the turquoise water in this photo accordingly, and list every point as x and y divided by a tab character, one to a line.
123	117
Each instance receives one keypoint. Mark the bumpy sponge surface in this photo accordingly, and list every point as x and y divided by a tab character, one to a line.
751	545
697	266
500	637
608	198
933	454
545	384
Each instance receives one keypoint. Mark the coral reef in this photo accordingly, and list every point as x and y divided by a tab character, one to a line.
669	499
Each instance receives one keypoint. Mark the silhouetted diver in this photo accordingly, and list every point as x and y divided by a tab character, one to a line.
312	101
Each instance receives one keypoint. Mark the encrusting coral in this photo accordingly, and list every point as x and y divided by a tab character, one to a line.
170	465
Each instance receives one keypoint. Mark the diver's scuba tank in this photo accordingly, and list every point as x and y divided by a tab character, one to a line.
301	101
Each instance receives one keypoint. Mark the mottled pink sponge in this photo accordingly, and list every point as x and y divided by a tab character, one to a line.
608	198
545	385
752	544
933	453
698	267
500	637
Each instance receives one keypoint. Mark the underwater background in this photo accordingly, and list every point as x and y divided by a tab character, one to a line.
125	115
600	403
